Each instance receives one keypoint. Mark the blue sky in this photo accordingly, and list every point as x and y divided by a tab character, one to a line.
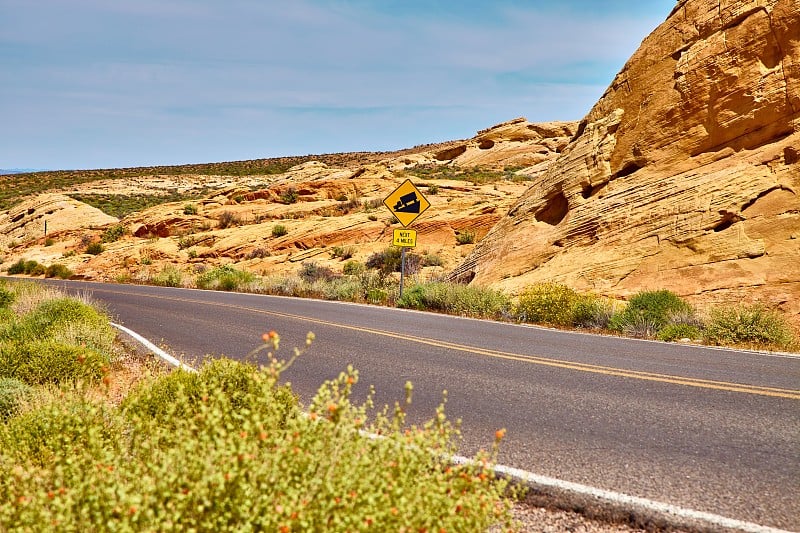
115	83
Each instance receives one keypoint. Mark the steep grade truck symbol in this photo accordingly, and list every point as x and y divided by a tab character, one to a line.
408	203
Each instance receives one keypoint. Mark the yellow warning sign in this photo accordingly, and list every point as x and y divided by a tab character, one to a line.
405	237
406	203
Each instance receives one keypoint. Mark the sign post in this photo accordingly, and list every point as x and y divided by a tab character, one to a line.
406	203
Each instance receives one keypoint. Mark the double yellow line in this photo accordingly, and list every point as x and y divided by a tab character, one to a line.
532	359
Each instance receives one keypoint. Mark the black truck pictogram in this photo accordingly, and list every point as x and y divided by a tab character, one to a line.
408	203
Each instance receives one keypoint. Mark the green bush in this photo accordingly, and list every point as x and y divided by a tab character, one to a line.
7	297
465	237
353	268
279	230
750	326
431	260
549	303
463	300
190	209
390	260
674	332
95	248
186	242
114	233
592	312
648	312
49	241
38	362
64	320
66	429
343	252
29	267
224	278
289	196
180	393
240	460
170	276
12	393
58	270
17	268
311	272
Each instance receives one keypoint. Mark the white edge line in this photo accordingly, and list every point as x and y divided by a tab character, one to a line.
536	480
155	349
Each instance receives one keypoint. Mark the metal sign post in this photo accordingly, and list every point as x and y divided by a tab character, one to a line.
406	203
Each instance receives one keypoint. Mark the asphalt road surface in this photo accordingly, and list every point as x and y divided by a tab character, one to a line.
706	429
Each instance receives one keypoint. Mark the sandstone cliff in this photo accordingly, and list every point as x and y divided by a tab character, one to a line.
685	174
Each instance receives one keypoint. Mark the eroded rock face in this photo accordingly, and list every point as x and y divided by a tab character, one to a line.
26	221
684	175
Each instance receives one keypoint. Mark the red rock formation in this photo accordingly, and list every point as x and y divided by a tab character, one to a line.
684	175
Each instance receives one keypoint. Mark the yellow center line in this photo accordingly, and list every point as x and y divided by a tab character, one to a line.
532	359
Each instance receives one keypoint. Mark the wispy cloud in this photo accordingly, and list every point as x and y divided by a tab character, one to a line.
81	73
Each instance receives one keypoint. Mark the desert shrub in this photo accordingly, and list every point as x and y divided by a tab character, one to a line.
343	252
433	188
17	268
227	219
46	361
390	260
192	254
63	320
372	218
66	428
258	253
12	393
465	237
7	297
170	276
289	196
29	267
180	393
674	332
186	241
95	248
57	270
279	230
114	233
224	278
456	299
311	272
241	460
752	325
548	303
49	241
353	268
648	312
371	204
591	311
190	209
69	253
430	260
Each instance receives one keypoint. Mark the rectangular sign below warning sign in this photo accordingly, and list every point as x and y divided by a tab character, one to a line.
405	237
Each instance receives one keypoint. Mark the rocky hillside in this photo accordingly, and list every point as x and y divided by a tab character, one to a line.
328	208
685	175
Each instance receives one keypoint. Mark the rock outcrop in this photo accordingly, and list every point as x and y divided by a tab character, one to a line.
685	174
26	221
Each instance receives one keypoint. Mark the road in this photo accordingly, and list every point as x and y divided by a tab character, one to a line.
702	428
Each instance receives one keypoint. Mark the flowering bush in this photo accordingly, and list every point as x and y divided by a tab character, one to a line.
228	449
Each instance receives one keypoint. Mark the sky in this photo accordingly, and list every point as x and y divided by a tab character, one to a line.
120	83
